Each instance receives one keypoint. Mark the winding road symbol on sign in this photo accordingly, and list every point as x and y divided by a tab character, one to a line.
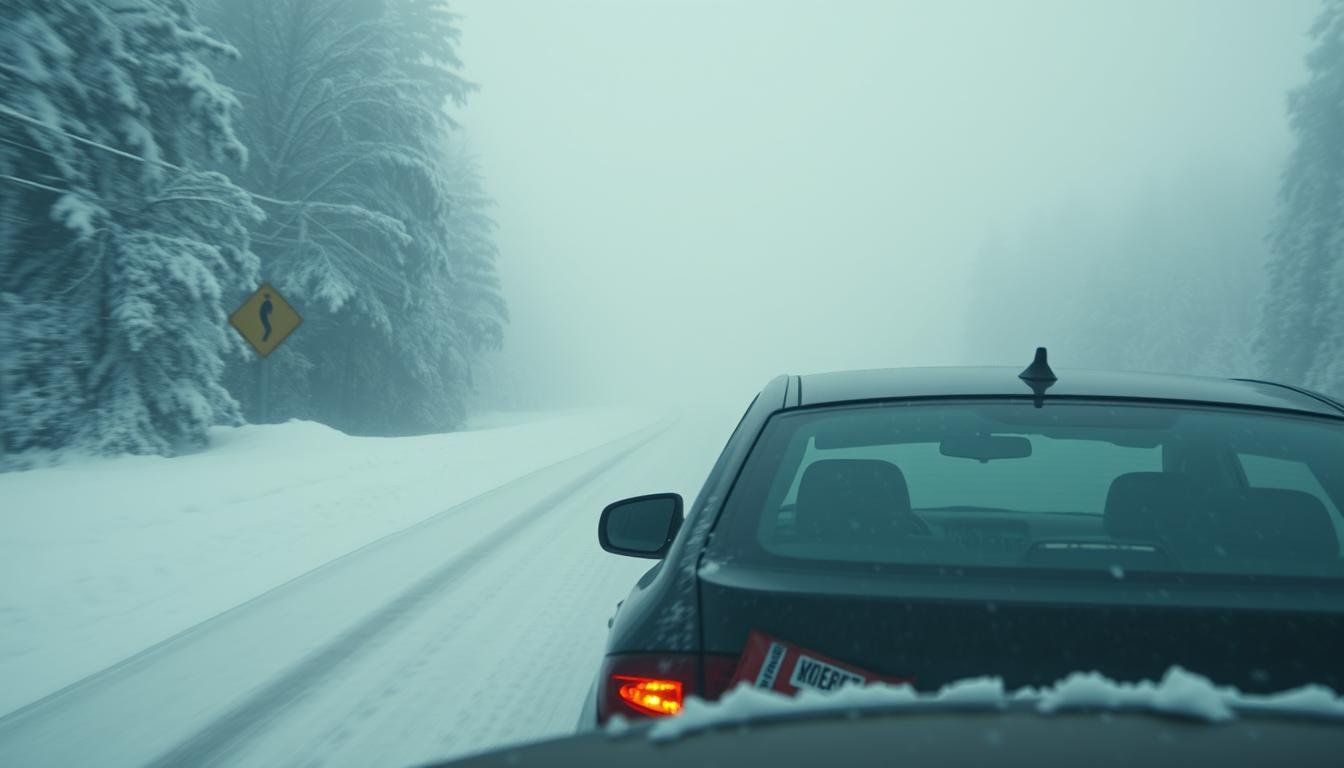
266	309
265	319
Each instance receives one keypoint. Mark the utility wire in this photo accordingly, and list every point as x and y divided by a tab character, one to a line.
29	147
14	114
36	184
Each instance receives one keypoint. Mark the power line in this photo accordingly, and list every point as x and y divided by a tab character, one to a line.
14	114
36	184
7	111
30	147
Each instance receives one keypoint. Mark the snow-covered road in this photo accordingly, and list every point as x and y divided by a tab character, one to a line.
480	625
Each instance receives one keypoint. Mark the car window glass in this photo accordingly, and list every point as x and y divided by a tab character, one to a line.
1130	487
1060	475
1270	472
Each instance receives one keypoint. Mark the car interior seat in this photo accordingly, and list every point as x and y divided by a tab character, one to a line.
854	500
1276	525
1214	528
1149	506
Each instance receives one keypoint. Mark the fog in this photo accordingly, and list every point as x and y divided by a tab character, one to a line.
696	196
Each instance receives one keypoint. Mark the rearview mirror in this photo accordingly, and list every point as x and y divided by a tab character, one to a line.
983	448
643	526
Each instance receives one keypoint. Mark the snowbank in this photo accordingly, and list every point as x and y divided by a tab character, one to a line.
1180	693
103	557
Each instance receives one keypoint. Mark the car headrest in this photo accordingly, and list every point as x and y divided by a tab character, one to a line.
853	498
1146	505
1277	524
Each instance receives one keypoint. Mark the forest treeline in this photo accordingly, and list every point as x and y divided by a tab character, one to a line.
159	158
1301	337
1205	271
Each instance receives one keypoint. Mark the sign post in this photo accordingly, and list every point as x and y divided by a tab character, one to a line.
264	320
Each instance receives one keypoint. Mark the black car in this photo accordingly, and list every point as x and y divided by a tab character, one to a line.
929	525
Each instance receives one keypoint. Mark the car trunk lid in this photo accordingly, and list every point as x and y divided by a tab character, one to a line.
934	626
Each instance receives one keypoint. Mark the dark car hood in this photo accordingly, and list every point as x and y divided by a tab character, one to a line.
1016	736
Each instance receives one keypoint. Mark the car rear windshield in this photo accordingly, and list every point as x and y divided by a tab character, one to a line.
1073	485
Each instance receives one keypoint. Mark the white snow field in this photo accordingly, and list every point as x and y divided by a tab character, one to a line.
295	596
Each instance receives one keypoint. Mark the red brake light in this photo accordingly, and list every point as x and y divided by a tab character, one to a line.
657	684
655	697
646	684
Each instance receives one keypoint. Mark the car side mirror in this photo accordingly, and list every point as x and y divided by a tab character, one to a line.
643	526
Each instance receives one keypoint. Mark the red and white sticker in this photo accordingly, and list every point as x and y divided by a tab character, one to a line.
779	666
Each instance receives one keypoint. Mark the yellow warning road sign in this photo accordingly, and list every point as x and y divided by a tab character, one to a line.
265	319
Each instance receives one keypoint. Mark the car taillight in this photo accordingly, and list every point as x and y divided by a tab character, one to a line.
650	695
646	684
657	684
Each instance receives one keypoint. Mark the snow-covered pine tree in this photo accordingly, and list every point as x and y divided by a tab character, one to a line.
117	247
457	312
1301	337
474	298
345	108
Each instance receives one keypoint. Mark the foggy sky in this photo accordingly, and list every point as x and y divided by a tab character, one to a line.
696	196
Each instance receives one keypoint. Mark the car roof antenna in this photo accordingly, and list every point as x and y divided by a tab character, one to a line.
1039	370
1038	376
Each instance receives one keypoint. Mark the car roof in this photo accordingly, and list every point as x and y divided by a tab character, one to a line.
992	381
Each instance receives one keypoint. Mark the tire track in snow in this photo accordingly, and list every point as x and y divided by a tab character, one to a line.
15	717
504	657
217	739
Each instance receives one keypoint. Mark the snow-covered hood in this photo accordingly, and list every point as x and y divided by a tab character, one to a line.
1179	693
